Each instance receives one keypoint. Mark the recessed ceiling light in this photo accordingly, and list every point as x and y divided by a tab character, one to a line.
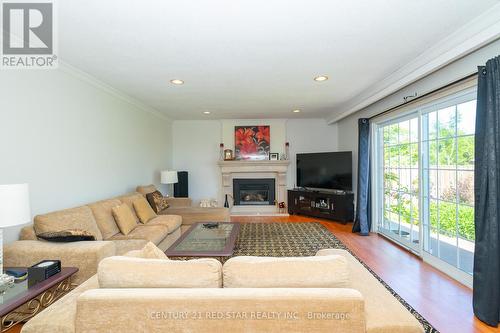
177	82
321	78
206	112
296	111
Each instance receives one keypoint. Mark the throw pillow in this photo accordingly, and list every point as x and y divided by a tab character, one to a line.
66	236
143	210
149	251
124	218
157	201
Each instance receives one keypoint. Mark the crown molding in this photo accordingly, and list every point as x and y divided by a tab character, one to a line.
479	32
92	80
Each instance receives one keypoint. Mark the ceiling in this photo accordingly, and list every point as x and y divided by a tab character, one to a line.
251	59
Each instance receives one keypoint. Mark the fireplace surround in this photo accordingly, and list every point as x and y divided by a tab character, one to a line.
254	170
253	191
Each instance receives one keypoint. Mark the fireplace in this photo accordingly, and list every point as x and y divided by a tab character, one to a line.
250	191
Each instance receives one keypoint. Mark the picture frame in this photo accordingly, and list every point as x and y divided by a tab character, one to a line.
228	155
252	142
274	156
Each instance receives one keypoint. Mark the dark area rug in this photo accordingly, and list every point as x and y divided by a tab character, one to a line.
300	240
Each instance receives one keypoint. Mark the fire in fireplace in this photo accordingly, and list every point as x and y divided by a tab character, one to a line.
250	191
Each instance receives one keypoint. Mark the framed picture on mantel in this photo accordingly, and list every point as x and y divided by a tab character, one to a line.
252	142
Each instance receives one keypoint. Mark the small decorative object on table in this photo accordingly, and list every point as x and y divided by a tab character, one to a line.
204	203
226	203
282	207
42	271
18	274
228	155
273	156
6	282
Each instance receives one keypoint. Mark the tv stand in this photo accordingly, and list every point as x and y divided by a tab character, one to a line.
332	205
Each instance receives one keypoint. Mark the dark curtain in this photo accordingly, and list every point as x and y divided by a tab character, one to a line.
486	293
363	220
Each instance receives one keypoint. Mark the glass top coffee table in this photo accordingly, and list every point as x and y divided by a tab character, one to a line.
200	240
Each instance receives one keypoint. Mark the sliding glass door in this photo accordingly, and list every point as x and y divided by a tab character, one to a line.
425	180
399	169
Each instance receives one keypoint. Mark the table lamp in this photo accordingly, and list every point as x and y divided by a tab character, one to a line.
168	177
14	210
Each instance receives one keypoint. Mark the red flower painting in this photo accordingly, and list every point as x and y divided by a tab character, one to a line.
252	142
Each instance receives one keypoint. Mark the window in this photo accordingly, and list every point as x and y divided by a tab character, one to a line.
424	179
400	165
448	183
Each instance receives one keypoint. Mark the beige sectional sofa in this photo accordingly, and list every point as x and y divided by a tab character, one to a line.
331	292
190	214
97	219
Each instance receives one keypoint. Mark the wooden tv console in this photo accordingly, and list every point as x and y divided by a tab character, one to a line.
338	206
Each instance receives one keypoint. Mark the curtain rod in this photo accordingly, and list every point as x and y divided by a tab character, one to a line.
424	95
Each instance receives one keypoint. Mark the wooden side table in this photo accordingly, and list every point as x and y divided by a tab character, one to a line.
20	303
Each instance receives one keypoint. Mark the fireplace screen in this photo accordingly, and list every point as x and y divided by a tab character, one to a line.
254	191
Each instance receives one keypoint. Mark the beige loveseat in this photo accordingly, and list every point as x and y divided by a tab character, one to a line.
189	213
334	293
97	219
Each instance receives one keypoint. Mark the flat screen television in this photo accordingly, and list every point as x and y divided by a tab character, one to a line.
325	171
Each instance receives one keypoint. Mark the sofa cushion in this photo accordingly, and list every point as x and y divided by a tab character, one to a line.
127	272
143	210
157	201
124	218
172	222
73	218
153	233
104	217
149	251
129	199
145	189
287	272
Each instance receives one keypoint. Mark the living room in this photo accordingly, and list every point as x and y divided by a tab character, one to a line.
235	166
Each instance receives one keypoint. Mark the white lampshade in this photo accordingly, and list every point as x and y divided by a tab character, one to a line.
168	177
14	205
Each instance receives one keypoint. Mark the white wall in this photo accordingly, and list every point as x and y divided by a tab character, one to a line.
196	147
73	142
309	136
196	150
348	127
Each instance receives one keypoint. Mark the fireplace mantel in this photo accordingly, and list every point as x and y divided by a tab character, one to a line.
254	169
244	166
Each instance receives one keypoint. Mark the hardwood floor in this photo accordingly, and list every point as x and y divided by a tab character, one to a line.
445	303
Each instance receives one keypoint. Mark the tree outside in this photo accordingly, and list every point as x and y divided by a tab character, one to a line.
451	165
